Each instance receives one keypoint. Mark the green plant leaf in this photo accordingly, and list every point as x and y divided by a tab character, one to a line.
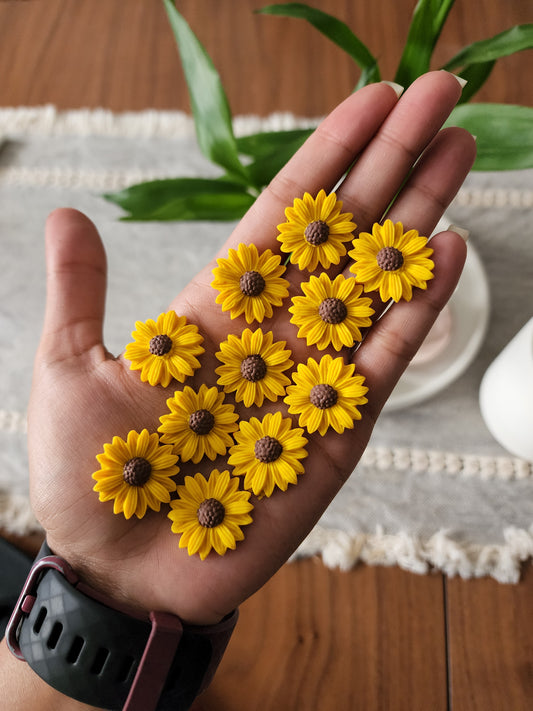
476	75
429	17
270	151
258	145
503	131
335	30
183	199
513	40
209	104
267	165
205	207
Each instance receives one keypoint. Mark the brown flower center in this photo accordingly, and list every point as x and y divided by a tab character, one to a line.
323	396
251	283
267	449
210	513
317	232
389	259
332	310
201	421
253	368
161	344
136	471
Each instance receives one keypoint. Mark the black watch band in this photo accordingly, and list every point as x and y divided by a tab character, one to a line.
90	649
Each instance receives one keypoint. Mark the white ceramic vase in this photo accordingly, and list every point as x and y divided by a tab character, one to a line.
506	395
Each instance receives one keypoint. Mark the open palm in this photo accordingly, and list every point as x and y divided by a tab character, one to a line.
83	396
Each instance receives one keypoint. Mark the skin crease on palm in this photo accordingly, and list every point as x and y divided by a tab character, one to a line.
82	396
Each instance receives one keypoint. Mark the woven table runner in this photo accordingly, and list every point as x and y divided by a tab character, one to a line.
433	490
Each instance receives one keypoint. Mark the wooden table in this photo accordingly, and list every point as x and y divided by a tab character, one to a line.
370	639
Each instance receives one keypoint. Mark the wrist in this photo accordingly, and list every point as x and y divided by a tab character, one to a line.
103	583
23	689
125	586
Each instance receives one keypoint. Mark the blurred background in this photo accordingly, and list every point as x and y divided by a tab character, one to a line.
316	638
122	55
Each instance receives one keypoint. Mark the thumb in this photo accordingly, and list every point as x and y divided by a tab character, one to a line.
75	286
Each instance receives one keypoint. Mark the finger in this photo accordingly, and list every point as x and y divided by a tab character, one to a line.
75	286
393	340
380	171
432	186
435	180
319	163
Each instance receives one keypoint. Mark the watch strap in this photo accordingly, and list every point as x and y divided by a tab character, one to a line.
93	650
15	566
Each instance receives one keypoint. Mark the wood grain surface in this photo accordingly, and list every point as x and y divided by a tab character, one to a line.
491	644
372	639
122	55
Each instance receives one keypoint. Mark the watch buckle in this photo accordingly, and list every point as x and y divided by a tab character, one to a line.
27	597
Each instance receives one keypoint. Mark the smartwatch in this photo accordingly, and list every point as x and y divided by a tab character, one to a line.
95	651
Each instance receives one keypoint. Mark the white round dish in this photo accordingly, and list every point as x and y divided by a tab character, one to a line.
469	309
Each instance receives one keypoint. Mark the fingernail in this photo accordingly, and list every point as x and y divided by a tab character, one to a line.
462	82
459	231
397	87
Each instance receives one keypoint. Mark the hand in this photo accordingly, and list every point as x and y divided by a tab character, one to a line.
82	396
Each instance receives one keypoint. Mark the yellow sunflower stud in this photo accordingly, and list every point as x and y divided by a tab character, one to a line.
331	312
209	513
165	349
315	231
199	423
391	261
136	473
326	394
253	367
250	283
268	453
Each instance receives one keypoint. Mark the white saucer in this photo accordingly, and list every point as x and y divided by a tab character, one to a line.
469	309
